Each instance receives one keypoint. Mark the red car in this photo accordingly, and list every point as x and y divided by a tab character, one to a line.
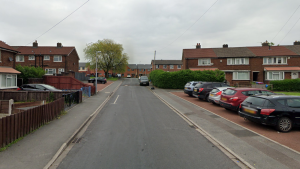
233	97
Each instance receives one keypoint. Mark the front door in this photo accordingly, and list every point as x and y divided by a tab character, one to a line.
295	75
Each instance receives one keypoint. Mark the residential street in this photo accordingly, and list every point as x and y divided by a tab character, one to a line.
137	130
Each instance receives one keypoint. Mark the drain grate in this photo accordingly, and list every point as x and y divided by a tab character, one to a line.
77	140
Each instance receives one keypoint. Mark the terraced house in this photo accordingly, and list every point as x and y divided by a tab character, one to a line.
166	65
247	64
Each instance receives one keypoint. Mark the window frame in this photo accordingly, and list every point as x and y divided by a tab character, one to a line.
18	58
272	73
47	56
157	66
59	56
164	66
48	71
171	66
63	70
235	75
275	60
237	61
29	57
13	78
178	66
202	60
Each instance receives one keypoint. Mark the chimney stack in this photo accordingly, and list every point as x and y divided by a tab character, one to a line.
35	44
59	45
198	46
265	43
225	45
297	43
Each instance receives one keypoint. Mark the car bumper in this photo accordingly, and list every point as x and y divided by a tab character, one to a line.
228	106
144	83
267	120
214	99
188	92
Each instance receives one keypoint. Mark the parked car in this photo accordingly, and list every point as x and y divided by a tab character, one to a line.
189	87
128	76
281	111
144	81
202	89
215	94
233	97
38	87
99	80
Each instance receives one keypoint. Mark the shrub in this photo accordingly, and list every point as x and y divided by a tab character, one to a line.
286	85
30	72
177	80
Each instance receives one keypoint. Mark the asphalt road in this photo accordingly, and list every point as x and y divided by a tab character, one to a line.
136	130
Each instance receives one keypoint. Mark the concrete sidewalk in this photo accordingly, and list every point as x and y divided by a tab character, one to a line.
249	147
39	147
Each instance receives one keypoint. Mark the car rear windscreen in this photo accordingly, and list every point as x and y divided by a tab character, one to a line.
229	92
215	90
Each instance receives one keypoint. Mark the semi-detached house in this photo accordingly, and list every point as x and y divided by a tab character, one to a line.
247	64
53	59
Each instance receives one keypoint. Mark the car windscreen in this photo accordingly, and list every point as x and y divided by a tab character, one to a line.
256	101
215	90
188	84
229	92
199	85
194	84
144	78
49	87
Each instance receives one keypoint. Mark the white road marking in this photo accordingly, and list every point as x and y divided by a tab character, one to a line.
116	99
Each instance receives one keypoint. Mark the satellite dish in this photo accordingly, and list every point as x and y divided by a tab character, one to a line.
10	59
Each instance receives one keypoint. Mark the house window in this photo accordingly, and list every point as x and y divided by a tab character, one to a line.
171	66
46	57
57	58
165	66
274	75
156	66
31	57
237	61
128	69
50	71
148	70
132	69
275	60
8	80
241	76
178	66
20	58
202	62
61	70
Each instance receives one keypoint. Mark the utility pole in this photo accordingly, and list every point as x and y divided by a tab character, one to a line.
154	59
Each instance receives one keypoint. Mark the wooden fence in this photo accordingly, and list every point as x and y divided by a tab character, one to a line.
4	106
24	96
20	124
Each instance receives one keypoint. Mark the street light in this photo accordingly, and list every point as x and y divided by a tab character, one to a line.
97	52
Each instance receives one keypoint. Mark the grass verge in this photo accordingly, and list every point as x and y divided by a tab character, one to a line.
289	93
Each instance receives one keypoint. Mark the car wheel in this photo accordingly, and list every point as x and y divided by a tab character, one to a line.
284	124
190	95
206	98
227	109
102	82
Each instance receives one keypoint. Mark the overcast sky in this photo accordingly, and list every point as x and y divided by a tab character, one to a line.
143	26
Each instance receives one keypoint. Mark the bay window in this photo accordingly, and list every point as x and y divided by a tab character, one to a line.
8	80
242	75
274	75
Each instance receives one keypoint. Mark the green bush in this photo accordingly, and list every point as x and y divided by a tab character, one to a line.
288	85
29	72
177	80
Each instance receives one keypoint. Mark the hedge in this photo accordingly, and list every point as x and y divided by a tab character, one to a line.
288	85
177	80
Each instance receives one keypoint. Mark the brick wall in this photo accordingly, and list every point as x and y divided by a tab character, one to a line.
5	58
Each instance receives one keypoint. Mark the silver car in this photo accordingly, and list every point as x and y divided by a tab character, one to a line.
215	94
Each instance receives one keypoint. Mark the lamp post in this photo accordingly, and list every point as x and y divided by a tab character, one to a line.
96	70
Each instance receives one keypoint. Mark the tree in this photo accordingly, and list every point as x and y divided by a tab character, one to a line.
110	58
30	72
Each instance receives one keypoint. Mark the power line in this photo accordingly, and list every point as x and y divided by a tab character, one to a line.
290	30
192	24
60	21
286	23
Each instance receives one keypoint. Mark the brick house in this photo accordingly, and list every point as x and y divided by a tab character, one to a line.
53	59
167	65
246	64
8	75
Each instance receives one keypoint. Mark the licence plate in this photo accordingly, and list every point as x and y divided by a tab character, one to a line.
223	98
195	90
185	88
249	111
144	83
211	95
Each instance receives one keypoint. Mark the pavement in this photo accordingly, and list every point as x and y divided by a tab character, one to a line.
38	149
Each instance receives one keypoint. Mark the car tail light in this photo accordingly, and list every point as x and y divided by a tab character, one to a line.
188	88
19	89
200	89
266	111
240	105
219	93
234	99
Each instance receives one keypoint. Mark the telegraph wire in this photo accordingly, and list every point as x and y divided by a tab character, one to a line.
290	30
60	21
285	23
191	25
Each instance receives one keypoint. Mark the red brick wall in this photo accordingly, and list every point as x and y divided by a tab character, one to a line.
5	58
